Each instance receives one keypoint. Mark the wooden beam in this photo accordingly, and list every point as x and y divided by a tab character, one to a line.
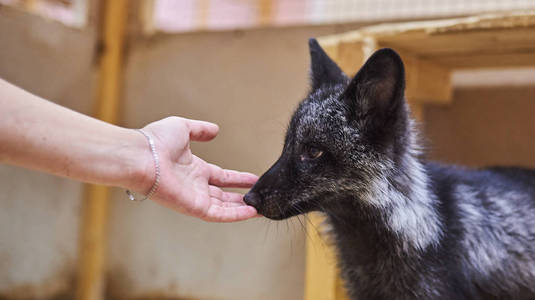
351	56
348	53
146	16
320	264
91	270
330	45
322	278
486	41
29	5
202	13
417	111
91	264
340	290
443	43
265	12
485	60
427	81
322	281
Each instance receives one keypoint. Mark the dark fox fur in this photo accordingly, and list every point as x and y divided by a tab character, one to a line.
404	228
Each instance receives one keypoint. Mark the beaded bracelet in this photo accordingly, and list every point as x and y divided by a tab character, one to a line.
157	175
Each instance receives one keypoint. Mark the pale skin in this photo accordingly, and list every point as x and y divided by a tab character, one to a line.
40	135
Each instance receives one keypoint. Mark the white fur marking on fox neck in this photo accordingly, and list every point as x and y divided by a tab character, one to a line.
412	217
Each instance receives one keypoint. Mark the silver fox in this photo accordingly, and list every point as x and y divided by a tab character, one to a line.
403	227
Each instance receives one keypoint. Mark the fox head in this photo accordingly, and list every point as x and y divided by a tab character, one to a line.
344	135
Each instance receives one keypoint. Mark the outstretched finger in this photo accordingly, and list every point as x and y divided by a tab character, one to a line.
218	202
202	131
230	178
225	196
218	213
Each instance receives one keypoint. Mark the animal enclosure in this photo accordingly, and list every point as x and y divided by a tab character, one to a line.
116	61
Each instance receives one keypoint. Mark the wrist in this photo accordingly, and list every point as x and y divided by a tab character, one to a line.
140	168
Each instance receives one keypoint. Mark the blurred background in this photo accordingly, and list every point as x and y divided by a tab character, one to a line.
242	64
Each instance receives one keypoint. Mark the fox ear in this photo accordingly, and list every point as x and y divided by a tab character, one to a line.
323	70
377	90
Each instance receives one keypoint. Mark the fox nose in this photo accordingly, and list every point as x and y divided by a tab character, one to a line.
252	199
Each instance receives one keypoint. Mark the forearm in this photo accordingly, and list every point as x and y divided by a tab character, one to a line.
39	134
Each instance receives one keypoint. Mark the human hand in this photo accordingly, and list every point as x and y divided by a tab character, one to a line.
188	184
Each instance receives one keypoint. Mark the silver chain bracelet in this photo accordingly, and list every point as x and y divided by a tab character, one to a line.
157	166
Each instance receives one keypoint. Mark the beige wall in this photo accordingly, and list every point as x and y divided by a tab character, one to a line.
48	59
484	125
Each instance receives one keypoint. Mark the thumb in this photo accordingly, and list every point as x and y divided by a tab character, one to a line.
202	131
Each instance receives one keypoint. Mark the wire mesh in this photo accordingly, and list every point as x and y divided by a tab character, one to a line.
191	15
70	12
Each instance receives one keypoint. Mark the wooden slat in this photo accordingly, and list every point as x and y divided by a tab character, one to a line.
265	12
202	14
322	281
29	5
91	271
501	21
91	264
417	111
478	61
348	55
146	16
427	81
456	43
351	56
330	47
340	290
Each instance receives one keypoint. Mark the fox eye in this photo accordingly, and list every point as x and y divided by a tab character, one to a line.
311	153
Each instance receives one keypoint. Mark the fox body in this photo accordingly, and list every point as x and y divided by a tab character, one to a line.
403	227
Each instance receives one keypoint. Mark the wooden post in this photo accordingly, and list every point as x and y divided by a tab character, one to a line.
323	281
146	16
202	14
91	269
265	12
321	273
29	5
